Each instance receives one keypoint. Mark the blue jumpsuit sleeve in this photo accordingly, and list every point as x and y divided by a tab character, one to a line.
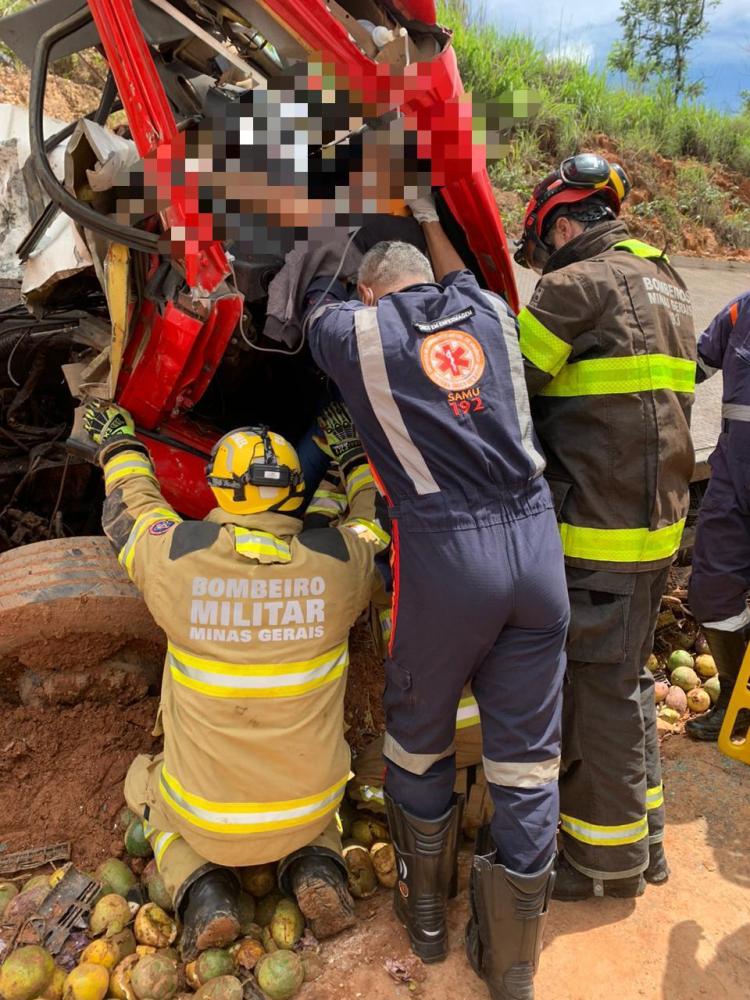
329	323
713	342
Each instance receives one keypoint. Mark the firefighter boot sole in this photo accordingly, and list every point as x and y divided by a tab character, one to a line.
325	904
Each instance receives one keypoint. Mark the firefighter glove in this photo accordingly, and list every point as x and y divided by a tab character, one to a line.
106	421
423	209
341	437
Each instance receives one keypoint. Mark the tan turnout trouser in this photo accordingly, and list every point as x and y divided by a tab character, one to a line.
175	859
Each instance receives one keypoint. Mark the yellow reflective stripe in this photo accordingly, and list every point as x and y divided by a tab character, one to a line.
142	523
160	845
609	376
540	345
640	249
371	793
255	544
256	680
655	797
127	463
364	528
627	545
386	624
248	817
357	480
160	840
325	502
604	836
468	713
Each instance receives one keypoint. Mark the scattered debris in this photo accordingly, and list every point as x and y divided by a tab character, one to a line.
23	861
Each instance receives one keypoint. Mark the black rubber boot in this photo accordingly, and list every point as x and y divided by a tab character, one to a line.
426	852
318	881
657	872
504	933
572	885
728	650
208	907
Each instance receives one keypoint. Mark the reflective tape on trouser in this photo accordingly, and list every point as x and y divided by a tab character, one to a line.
414	763
640	373
468	713
655	797
541	346
126	463
261	545
626	545
514	774
604	836
141	525
736	411
372	793
248	817
256	680
159	839
386	624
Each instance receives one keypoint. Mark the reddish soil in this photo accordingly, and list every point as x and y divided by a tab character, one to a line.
61	774
64	99
62	765
687	940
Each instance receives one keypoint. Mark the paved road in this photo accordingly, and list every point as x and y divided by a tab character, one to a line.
712	284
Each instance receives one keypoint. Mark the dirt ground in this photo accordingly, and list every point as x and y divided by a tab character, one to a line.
687	940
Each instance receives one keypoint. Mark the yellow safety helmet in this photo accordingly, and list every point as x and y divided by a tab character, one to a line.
252	470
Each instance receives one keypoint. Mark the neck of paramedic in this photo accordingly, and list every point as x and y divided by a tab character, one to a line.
370	295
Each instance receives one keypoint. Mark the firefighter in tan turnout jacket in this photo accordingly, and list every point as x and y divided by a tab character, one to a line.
257	613
610	354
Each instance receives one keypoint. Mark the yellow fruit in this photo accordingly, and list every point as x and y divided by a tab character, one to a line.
7	892
258	880
288	924
111	915
142	950
56	876
57	984
191	976
26	973
120	986
103	951
154	927
384	862
155	978
88	981
362	880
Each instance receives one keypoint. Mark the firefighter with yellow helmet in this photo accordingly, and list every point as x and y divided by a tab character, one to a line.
257	609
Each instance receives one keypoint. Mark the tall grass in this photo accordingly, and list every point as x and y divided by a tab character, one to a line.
577	102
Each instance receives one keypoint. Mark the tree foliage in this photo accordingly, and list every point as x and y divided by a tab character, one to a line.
657	38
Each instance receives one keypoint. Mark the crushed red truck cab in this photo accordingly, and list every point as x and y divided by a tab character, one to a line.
187	354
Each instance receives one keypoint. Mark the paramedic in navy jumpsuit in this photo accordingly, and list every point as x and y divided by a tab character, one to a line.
720	577
433	377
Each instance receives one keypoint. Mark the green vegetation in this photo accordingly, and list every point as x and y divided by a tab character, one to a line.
579	108
657	37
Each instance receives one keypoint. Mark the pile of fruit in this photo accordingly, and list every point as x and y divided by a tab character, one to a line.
686	681
131	951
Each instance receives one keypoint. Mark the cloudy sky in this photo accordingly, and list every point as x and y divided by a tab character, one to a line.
588	27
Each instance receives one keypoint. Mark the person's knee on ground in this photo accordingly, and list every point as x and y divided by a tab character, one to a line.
317	878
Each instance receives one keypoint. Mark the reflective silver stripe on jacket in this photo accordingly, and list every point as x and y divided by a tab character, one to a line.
527	775
736	411
517	381
414	763
378	389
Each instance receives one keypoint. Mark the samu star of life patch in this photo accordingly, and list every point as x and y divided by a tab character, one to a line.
454	360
